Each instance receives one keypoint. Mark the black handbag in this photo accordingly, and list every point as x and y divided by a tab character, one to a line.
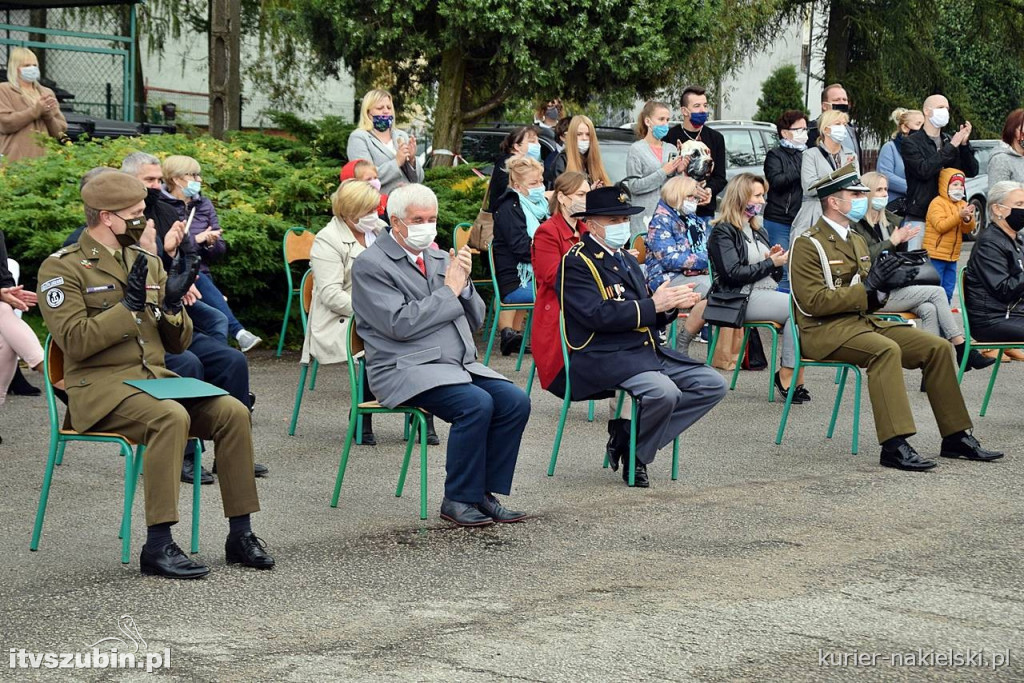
727	309
898	206
918	258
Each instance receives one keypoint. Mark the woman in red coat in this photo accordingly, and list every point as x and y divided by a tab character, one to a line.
552	240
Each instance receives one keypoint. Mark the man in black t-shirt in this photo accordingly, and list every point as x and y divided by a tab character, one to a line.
694	110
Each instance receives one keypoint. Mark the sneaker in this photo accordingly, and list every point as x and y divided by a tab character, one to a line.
247	340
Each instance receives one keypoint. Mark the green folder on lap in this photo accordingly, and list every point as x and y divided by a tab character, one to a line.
176	387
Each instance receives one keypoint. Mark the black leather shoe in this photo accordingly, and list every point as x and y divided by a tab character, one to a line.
618	442
368	438
784	391
510	341
802	393
252	402
641	481
188	466
247	549
258	471
170	562
20	386
976	361
904	457
498	512
432	438
964	445
463	514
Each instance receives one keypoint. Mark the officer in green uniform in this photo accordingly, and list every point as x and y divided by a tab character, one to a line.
114	313
835	290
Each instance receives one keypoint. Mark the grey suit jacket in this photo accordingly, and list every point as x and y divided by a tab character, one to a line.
364	145
418	334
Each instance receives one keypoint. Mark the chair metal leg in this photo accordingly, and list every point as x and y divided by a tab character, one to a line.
195	495
673	334
494	330
675	458
44	494
839	400
312	379
739	361
408	454
963	361
991	381
133	471
773	365
856	410
423	467
632	447
712	344
130	477
618	405
529	382
349	437
284	323
60	453
527	327
590	411
789	404
558	434
298	399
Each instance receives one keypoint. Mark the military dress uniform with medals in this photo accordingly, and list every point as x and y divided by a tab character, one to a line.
611	330
828	268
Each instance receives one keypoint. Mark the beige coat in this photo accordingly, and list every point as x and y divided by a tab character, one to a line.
21	119
331	259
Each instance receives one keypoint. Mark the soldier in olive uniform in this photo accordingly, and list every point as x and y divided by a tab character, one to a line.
835	290
114	312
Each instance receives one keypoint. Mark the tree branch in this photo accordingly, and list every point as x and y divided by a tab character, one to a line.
489	105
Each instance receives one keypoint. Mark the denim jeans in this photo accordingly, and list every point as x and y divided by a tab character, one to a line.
523	295
209	321
778	233
213	297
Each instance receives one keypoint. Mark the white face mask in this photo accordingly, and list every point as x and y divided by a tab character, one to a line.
420	235
939	117
688	208
367	223
956	195
30	74
837	133
583	146
617	234
800	137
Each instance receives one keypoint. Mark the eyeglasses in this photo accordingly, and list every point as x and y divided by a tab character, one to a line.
798	130
197	176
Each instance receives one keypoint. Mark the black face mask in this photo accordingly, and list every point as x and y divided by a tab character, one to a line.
1015	219
840	107
134	228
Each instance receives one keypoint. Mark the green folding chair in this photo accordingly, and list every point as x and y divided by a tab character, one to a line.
53	369
497	308
844	368
749	326
295	246
969	344
360	408
306	289
618	411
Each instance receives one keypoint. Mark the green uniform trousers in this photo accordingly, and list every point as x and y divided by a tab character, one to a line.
165	426
884	353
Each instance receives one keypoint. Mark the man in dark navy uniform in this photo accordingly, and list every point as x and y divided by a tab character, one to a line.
612	323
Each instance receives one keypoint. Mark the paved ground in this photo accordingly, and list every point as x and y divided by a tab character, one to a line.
759	563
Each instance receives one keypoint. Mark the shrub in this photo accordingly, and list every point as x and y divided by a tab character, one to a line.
780	92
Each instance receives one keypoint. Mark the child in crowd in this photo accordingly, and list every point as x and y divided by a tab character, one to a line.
949	218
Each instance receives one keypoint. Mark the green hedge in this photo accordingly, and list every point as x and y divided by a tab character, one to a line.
260	184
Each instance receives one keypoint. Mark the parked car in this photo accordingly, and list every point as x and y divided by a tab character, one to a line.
977	187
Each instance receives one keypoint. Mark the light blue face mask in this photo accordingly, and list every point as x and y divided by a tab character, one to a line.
659	131
536	195
858	209
616	235
533	150
879	203
193	189
30	74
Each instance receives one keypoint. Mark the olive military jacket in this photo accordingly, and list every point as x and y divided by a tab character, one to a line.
104	344
828	318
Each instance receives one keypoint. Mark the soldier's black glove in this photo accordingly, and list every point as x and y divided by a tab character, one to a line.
882	273
183	273
135	291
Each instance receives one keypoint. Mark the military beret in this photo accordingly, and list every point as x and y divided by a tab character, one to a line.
843	178
113	191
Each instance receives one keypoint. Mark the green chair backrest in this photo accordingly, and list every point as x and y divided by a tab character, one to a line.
494	274
53	371
461	235
306	302
354	346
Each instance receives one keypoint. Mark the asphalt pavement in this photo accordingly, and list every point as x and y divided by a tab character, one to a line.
798	562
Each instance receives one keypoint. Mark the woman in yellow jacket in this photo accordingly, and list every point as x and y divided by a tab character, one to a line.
949	219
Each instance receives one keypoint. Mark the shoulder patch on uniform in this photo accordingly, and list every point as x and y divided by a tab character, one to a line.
576	247
70	249
50	284
54	298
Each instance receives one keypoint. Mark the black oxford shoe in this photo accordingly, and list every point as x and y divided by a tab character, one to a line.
618	442
641	481
498	512
432	438
463	514
966	446
188	472
904	457
170	562
246	549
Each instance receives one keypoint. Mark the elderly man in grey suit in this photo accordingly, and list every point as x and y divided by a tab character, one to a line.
416	309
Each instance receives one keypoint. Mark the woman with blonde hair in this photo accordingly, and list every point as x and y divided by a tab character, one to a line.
677	250
743	260
648	164
818	161
26	108
183	192
890	157
582	154
517	216
376	139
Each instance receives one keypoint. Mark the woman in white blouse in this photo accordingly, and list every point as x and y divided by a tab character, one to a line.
376	139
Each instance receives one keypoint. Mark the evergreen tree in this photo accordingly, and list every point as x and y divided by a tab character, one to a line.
780	92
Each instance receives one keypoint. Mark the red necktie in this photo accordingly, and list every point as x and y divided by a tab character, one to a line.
422	266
